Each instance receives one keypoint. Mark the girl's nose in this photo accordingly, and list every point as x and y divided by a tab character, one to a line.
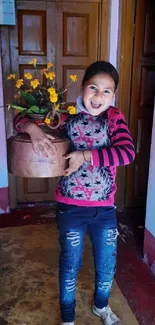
99	93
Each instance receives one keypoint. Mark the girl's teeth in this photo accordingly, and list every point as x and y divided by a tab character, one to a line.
96	105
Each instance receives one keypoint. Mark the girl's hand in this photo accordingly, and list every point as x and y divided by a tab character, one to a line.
76	159
41	142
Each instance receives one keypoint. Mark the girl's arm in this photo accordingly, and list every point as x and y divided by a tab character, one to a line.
20	122
41	141
121	152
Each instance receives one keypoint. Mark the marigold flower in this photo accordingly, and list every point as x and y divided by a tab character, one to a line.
54	98
73	77
35	83
50	75
11	76
33	61
19	83
71	110
47	120
49	65
56	107
28	76
51	90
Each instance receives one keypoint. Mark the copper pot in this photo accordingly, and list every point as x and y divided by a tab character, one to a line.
24	162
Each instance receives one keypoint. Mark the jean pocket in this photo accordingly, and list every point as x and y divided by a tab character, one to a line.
63	208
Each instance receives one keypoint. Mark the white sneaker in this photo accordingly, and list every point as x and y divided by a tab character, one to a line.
69	323
107	315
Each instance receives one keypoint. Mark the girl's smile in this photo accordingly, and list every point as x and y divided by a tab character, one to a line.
98	93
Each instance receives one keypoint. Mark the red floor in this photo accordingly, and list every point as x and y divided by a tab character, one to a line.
133	276
137	283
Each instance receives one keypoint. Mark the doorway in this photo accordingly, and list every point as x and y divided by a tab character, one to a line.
69	35
136	94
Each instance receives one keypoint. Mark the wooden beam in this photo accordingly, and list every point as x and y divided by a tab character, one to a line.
124	63
104	29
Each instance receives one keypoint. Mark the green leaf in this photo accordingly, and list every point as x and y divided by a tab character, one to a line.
21	109
43	110
63	110
29	99
33	109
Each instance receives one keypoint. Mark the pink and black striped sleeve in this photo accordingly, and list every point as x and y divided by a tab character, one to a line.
121	152
20	121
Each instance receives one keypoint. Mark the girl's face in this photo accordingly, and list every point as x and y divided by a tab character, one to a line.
98	93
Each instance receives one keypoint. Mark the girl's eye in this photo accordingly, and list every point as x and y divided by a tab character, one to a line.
93	87
107	92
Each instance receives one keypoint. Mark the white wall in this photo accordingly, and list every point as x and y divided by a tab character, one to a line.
150	208
114	24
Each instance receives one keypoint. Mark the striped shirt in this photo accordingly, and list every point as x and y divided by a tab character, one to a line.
109	140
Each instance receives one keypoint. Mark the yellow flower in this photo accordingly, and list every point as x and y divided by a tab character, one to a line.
43	71
34	61
73	77
54	98
28	75
47	120
71	110
49	65
50	75
56	107
51	90
19	83
35	83
11	76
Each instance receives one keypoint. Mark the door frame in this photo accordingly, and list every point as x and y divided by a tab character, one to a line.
103	53
124	65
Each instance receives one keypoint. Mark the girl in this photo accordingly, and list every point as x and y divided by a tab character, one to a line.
100	141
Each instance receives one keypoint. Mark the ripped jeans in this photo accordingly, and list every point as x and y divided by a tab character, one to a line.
73	222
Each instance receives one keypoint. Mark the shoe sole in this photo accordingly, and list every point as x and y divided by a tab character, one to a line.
96	313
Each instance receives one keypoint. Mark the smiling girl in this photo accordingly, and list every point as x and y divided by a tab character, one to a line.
101	141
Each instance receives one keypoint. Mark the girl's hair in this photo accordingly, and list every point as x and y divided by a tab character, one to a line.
100	67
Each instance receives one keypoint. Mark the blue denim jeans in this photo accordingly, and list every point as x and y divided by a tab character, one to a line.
73	222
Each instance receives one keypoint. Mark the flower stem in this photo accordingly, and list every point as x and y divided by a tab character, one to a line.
65	89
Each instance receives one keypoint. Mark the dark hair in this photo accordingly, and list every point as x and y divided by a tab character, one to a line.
99	67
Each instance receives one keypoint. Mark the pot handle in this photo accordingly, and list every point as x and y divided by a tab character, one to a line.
53	116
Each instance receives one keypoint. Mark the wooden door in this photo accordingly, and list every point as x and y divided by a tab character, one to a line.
142	102
77	41
65	33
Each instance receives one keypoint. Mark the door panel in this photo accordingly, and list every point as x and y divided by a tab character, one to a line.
32	32
77	46
36	190
142	102
34	40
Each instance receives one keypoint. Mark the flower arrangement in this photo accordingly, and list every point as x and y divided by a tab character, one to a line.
46	99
